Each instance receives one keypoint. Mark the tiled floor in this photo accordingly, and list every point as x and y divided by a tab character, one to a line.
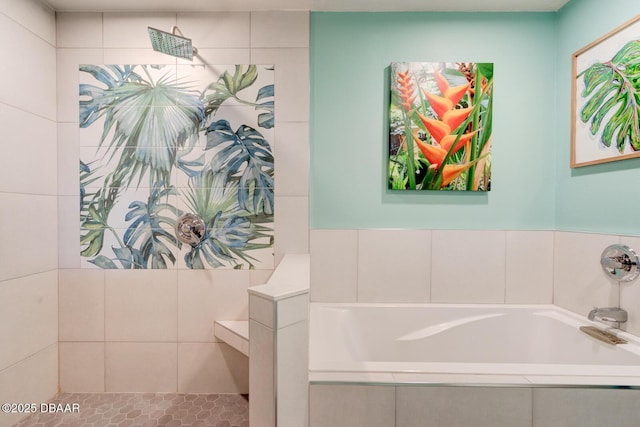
143	409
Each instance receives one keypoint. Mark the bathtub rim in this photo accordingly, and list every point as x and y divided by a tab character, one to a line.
450	376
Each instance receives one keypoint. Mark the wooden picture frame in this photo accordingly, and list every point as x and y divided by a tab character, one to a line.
605	98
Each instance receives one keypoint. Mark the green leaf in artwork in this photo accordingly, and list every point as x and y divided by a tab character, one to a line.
245	153
267	119
103	262
486	69
146	231
146	122
612	93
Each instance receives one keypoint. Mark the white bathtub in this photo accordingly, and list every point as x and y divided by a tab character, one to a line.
525	344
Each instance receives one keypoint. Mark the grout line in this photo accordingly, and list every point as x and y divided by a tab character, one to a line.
54	120
102	37
104	331
58	320
430	282
357	265
250	46
553	267
504	291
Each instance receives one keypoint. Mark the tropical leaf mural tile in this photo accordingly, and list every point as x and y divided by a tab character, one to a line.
159	141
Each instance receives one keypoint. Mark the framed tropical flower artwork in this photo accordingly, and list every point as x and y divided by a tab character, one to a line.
440	122
605	122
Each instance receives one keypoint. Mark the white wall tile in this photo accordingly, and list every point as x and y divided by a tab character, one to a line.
28	227
219	56
259	277
129	30
215	30
585	407
26	153
81	305
141	305
292	81
34	379
334	262
34	16
212	368
394	265
292	310
79	30
33	82
291	154
280	29
579	282
352	406
630	292
68	156
464	406
293	368
28	316
141	367
68	80
291	220
262	310
262	406
529	275
143	55
82	367
205	296
68	232
468	266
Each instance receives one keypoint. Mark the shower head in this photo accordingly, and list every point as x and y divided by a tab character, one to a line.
173	43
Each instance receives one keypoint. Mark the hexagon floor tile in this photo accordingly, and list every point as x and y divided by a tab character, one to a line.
142	409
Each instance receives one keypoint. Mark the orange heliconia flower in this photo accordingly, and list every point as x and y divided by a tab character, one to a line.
453	94
406	90
451	172
435	153
443	131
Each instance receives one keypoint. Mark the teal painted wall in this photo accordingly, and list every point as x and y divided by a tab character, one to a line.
350	56
601	198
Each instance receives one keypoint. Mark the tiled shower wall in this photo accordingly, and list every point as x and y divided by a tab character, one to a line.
28	212
152	330
466	266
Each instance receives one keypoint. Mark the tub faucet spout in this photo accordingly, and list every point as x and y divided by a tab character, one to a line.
608	314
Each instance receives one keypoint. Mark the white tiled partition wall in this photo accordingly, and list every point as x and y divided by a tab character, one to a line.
28	206
470	266
152	330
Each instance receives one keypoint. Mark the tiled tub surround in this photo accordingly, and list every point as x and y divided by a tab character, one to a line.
469	266
458	267
351	405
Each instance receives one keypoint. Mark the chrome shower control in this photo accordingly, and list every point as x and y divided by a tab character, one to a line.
190	229
620	262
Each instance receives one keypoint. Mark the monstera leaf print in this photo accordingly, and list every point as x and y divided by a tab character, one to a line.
145	237
612	90
266	119
246	157
230	230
